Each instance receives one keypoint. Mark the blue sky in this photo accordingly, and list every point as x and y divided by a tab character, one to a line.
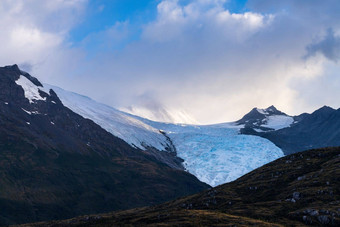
203	61
102	14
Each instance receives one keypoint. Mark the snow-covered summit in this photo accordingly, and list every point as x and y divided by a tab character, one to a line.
268	119
270	111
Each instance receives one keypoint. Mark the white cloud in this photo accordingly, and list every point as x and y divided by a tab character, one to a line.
196	59
33	30
174	21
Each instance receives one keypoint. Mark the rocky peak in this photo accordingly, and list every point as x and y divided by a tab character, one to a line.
325	110
257	115
23	90
13	72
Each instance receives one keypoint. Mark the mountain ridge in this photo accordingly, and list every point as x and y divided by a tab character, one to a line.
315	130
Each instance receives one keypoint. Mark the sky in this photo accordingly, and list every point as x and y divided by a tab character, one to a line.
187	61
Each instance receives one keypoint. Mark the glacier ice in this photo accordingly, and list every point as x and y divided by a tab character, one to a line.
215	154
120	124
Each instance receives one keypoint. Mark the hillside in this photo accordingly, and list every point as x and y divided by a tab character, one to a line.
296	190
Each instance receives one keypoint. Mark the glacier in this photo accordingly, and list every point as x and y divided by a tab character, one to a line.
215	154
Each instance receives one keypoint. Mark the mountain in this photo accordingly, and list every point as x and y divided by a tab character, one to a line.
306	131
262	120
56	164
297	190
215	154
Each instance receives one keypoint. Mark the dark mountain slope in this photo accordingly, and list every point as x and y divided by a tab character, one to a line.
55	164
316	130
297	190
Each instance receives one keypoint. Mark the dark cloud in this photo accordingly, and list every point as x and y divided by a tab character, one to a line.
329	46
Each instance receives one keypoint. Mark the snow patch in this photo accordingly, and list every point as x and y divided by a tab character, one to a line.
277	122
261	111
31	90
30	112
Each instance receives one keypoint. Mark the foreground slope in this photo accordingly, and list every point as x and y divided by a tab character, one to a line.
55	164
297	190
215	154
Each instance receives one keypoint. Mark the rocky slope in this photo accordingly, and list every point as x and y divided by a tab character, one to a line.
318	129
55	164
297	190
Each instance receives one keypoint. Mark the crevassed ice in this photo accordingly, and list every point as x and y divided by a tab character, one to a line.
215	154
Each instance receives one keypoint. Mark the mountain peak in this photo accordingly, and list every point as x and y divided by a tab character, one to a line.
14	72
265	119
257	113
325	110
271	110
14	67
19	86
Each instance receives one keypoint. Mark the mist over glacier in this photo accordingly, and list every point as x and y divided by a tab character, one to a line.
215	154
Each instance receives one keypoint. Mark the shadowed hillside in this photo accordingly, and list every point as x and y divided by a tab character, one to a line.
297	190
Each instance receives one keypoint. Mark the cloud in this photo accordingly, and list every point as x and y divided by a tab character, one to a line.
194	60
31	31
329	47
175	21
